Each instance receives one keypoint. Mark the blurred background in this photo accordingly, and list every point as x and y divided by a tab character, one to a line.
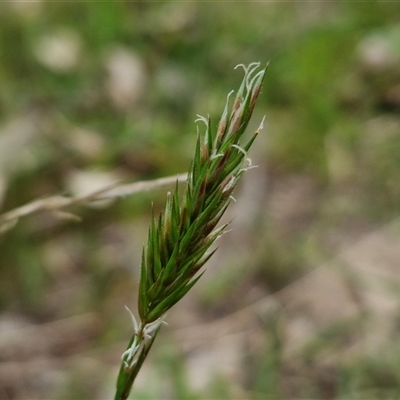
302	298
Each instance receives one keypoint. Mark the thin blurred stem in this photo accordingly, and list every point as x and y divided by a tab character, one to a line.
57	203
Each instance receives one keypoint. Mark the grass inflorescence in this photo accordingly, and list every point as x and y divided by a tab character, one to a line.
180	239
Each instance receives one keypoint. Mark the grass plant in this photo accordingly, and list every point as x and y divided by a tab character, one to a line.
180	239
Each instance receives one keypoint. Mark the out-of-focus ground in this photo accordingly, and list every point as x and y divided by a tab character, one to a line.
302	298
